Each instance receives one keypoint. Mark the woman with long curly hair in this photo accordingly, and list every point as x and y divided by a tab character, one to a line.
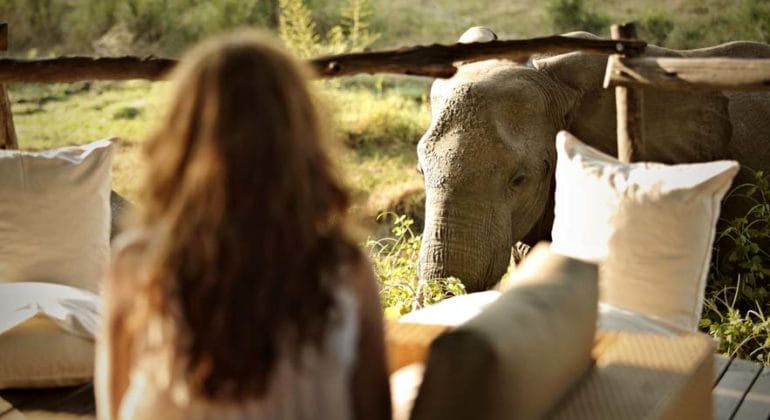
239	292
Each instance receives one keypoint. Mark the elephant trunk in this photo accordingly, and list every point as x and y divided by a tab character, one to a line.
464	245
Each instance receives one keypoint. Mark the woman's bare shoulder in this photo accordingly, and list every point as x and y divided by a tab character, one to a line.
128	252
357	271
130	242
358	276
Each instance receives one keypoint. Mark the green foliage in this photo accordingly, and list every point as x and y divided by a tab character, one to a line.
356	17
394	260
300	33
741	333
157	26
655	27
572	15
297	28
714	24
741	255
127	113
378	119
737	295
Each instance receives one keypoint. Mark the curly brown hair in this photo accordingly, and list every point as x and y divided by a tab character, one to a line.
247	215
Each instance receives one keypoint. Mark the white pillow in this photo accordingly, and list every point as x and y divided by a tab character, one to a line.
55	215
651	226
46	335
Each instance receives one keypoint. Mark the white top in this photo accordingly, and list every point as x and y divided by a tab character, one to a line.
319	389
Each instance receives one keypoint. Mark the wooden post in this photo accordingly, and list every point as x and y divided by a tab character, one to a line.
628	102
7	129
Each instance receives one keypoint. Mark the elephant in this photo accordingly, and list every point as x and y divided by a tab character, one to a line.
488	156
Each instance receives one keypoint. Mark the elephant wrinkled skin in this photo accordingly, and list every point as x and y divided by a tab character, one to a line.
488	157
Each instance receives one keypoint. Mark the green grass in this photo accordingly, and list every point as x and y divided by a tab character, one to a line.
379	129
56	27
48	116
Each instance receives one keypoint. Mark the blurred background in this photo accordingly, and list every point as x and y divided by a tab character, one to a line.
378	119
166	27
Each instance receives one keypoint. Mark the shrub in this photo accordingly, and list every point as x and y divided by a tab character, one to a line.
737	294
127	113
709	25
387	118
394	260
299	31
655	27
572	15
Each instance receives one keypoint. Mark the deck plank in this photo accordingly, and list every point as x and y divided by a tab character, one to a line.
756	404
8	411
721	363
70	403
742	390
733	387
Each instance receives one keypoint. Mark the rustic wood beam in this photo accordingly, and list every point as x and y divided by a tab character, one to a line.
689	74
628	104
440	60
433	60
8	138
75	69
3	36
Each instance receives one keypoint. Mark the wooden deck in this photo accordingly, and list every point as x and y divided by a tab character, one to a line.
741	391
55	403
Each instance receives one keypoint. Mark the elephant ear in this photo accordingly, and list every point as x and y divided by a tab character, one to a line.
677	126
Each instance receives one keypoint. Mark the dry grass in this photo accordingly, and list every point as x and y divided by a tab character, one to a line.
380	130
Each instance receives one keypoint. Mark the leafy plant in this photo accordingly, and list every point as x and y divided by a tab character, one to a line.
394	260
655	27
356	15
297	28
299	31
572	15
740	266
743	334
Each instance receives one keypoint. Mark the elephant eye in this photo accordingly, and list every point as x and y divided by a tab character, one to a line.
517	180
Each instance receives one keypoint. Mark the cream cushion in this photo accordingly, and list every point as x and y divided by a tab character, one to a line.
454	310
612	318
522	353
651	226
55	215
47	335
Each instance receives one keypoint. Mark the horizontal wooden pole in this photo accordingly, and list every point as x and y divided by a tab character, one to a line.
433	60
440	60
689	74
3	36
74	69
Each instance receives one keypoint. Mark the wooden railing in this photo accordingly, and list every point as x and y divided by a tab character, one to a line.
7	129
688	74
432	60
627	71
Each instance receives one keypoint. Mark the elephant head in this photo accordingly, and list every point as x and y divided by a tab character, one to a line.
488	157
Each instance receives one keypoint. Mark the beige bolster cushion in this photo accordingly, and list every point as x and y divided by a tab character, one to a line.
522	353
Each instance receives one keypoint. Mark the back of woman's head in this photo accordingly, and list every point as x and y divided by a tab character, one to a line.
245	213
